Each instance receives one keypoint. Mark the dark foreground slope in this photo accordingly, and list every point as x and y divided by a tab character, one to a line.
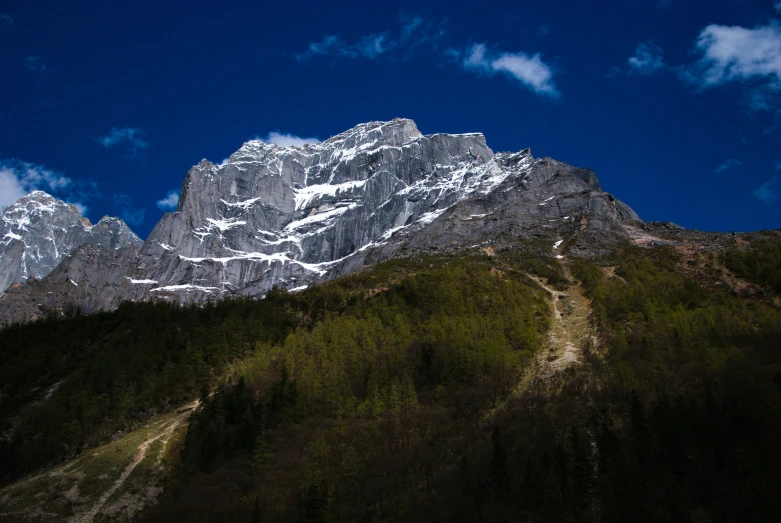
399	329
393	394
673	416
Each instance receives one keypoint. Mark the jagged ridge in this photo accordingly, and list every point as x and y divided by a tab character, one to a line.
38	231
289	216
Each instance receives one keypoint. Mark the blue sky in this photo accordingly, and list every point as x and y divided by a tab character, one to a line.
676	104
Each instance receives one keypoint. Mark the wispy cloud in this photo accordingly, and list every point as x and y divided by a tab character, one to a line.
543	30
413	31
777	6
170	201
614	72
286	139
527	69
530	71
768	191
370	46
36	64
647	59
5	21
739	55
18	178
130	138
123	204
729	164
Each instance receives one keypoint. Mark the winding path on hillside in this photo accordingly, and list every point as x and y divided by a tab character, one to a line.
163	433
570	327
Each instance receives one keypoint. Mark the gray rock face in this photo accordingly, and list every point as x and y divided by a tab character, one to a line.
279	215
38	231
90	279
289	216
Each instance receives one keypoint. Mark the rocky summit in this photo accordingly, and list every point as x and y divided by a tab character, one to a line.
289	216
38	231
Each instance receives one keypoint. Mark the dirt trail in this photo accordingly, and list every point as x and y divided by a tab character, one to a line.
570	327
164	433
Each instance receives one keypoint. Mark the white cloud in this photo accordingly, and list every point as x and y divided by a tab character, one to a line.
410	25
131	138
287	140
768	191
777	6
373	46
614	73
6	20
729	164
530	71
734	54
647	59
543	30
36	63
413	32
170	201
329	43
370	46
18	178
10	188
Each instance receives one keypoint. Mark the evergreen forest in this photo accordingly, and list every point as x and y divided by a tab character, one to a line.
410	392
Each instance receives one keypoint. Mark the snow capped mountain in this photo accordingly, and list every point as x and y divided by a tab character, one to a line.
276	215
288	216
38	231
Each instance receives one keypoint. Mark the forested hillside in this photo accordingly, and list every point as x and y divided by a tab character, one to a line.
408	392
673	416
356	347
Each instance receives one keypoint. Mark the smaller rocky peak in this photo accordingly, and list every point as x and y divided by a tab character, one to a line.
38	230
34	200
39	196
39	207
113	232
513	159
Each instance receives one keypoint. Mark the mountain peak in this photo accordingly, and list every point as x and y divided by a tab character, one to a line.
286	216
290	216
39	230
41	201
39	195
398	130
36	197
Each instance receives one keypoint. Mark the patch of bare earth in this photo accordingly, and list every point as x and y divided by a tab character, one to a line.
570	327
111	483
130	503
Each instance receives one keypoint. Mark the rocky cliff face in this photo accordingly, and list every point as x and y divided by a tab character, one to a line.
289	216
38	231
